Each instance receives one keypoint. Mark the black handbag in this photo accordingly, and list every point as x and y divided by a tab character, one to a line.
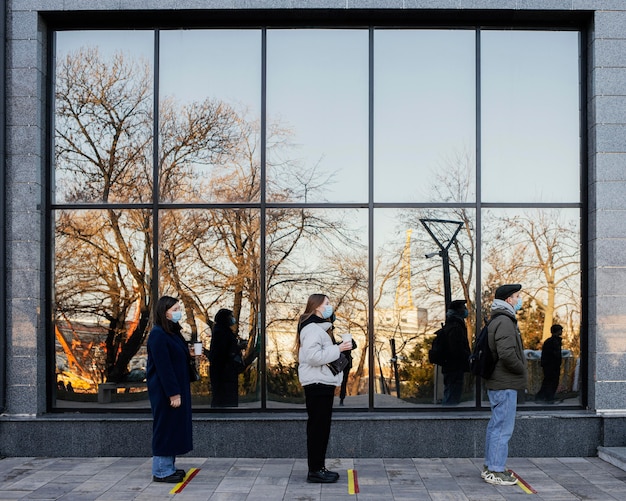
338	365
194	375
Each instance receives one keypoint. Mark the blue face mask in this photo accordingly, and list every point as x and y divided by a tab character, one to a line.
176	316
465	313
233	321
518	305
327	311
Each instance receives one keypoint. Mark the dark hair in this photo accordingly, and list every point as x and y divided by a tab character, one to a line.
223	317
556	328
312	304
163	304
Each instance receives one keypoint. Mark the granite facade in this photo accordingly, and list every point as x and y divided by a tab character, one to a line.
25	334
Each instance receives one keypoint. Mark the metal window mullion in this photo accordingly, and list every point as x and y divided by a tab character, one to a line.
478	215
370	237
154	287
262	221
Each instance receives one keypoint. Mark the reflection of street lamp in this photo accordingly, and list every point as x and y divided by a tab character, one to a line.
444	233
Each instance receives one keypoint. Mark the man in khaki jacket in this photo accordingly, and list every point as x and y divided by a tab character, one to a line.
509	376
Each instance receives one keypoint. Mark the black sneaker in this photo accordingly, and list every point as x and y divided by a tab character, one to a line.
174	478
322	476
181	472
330	473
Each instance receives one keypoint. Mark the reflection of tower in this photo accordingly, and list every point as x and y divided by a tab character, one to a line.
404	297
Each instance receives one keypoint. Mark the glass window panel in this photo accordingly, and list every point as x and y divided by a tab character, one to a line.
410	299
101	307
315	251
317	151
317	108
530	116
209	115
103	117
424	112
540	249
210	260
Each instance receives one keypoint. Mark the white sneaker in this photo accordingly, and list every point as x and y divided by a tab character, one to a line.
500	478
485	470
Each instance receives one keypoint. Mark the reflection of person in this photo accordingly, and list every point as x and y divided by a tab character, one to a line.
346	372
169	391
551	363
224	370
316	349
457	353
509	376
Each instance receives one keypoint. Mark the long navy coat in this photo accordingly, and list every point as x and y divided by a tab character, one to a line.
224	374
167	374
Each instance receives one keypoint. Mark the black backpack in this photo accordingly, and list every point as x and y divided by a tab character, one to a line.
481	361
437	353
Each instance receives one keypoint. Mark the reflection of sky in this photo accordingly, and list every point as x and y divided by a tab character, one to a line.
530	116
424	101
424	108
318	85
222	64
134	43
424	91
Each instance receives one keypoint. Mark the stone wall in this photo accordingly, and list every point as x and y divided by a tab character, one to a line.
25	167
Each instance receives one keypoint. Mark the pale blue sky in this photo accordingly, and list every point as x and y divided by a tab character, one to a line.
424	101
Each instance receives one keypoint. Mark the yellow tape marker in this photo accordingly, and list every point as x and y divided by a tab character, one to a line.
525	486
353	482
192	472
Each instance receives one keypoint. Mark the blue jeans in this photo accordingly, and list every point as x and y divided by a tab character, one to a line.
452	387
163	466
500	428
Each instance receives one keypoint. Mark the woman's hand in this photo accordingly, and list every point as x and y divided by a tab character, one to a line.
175	401
345	346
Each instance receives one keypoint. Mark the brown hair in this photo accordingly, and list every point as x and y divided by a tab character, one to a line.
312	304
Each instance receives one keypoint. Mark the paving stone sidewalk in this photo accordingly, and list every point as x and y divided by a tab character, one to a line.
222	479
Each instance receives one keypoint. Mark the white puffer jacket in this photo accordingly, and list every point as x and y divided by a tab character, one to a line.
316	350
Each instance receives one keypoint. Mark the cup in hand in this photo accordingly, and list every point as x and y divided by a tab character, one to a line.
197	349
346	337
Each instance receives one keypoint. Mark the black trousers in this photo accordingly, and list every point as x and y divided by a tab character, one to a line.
319	409
344	383
549	385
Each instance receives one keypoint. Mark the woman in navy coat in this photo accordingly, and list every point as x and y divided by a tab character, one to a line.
169	391
223	370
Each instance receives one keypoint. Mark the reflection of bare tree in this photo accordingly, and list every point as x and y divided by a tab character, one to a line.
452	185
100	272
103	154
543	251
103	133
209	257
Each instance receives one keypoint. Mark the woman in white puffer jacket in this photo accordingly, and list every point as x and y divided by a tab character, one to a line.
316	348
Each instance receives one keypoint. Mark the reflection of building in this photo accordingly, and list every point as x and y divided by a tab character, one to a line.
81	352
31	208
